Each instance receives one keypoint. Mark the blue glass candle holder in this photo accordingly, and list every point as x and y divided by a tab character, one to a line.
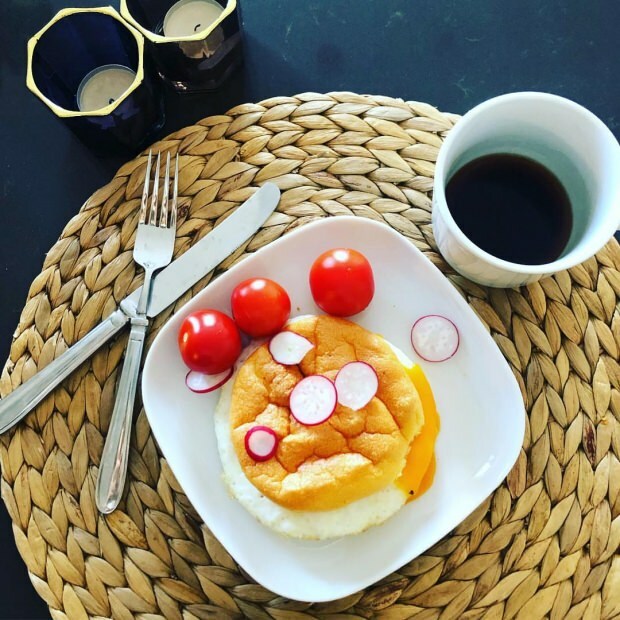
195	44
88	67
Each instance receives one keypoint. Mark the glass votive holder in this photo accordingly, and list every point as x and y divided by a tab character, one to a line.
88	67
195	43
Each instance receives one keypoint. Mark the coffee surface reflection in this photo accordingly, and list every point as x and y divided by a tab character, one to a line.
511	207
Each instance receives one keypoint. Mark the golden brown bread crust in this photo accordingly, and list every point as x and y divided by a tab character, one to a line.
351	455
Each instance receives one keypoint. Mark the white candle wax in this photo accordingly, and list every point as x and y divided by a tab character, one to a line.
102	86
188	17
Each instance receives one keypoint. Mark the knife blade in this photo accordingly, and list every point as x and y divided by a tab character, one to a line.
168	285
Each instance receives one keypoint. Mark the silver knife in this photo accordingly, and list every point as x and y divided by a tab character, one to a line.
167	286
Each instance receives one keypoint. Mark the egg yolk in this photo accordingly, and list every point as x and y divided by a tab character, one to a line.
419	471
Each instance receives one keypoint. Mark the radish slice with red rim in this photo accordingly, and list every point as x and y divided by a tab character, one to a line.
313	400
261	443
289	348
435	338
201	384
356	384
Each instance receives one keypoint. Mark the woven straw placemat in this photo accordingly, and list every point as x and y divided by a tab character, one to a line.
545	544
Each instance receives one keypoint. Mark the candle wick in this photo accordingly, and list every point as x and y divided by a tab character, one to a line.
111	100
196	27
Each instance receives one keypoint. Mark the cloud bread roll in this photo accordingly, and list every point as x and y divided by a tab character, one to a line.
351	455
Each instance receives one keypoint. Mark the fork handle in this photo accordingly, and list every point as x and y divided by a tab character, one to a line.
115	457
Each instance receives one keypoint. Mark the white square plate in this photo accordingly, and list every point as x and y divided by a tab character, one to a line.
481	409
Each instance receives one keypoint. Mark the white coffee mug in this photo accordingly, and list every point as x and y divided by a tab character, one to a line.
564	137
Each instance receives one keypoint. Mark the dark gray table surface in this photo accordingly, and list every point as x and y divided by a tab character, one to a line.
450	53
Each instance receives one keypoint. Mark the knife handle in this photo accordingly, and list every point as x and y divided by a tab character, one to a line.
24	398
115	457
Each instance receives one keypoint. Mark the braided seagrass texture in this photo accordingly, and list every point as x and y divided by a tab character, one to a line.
545	544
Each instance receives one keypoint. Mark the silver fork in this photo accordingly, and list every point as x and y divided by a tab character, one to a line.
153	250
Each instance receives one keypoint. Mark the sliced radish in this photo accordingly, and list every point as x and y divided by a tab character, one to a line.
313	400
356	384
435	338
289	348
261	443
201	383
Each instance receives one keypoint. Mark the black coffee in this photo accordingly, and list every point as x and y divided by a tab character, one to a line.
512	207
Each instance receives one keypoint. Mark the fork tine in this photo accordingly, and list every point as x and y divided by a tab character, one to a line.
175	193
145	191
155	196
163	219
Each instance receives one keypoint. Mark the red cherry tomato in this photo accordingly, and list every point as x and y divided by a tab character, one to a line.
260	307
209	341
341	282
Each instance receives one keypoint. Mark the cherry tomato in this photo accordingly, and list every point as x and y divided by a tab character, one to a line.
341	282
260	307
209	341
